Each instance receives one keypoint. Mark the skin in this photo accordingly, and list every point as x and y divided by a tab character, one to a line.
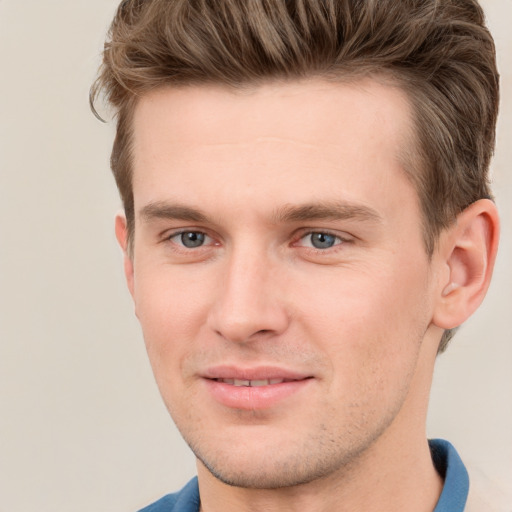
263	175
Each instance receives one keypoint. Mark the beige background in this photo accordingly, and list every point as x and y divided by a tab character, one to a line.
81	424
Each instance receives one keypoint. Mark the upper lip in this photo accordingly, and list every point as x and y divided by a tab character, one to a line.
254	373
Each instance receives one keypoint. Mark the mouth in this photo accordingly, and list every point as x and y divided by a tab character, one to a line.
253	383
251	389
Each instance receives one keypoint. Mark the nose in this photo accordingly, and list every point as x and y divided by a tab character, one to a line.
250	303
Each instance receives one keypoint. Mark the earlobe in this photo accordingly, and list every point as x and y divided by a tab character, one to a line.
468	251
121	230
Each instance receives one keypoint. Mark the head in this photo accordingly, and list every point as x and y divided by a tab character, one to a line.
439	53
305	188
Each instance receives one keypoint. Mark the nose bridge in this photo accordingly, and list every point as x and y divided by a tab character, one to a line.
248	303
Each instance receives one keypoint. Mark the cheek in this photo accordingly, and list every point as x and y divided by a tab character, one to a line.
369	322
171	310
382	297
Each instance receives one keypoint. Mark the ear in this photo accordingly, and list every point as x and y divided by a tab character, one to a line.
122	238
467	251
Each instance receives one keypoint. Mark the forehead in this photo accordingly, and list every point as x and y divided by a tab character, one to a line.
288	139
314	110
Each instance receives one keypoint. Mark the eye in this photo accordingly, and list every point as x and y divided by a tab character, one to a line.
320	240
190	239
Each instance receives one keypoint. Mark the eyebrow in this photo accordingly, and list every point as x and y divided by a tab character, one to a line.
163	210
337	210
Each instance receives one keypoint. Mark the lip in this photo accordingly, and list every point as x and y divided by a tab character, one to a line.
249	397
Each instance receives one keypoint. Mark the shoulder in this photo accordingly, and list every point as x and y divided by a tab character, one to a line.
186	500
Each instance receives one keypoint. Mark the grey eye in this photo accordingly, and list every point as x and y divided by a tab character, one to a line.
192	239
322	240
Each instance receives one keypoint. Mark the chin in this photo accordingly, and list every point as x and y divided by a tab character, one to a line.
273	475
275	467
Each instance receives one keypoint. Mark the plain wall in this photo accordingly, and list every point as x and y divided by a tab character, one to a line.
82	426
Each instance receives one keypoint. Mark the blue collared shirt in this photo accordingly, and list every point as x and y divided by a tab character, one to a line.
445	457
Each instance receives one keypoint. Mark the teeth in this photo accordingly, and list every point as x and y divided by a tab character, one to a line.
259	383
251	383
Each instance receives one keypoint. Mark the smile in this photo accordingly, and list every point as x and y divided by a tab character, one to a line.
257	388
252	383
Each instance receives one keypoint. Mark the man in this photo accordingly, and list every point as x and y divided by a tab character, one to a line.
306	221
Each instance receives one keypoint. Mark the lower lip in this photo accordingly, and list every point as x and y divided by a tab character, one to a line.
253	397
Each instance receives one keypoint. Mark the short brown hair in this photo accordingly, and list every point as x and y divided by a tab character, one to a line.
438	51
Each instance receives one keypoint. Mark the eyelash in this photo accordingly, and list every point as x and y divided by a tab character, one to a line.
339	240
169	238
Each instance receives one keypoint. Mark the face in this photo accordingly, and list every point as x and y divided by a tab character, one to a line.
279	273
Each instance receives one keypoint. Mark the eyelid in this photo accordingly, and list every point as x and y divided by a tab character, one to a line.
168	236
310	246
211	240
342	237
